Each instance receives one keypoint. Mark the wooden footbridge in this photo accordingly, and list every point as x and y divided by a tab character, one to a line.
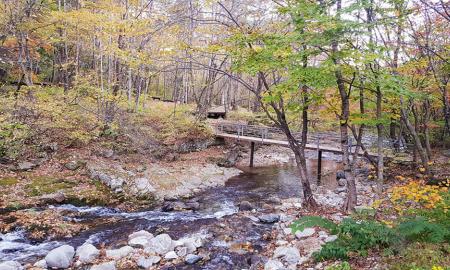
319	141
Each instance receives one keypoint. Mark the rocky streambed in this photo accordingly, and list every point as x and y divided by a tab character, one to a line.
237	226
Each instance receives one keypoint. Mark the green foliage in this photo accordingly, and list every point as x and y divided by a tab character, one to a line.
420	256
420	230
12	138
41	185
357	237
313	221
8	181
340	266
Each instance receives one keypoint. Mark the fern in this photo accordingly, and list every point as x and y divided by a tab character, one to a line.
419	229
313	221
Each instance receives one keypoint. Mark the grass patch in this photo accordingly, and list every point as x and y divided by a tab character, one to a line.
41	185
8	181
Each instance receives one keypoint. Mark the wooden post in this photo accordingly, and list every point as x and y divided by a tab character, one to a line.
319	167
252	153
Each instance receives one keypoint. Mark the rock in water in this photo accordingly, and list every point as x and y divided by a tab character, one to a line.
104	266
119	253
273	265
269	218
60	257
192	259
245	206
161	244
87	253
307	232
289	254
10	265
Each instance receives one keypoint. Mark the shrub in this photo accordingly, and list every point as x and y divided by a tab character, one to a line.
340	266
420	230
357	237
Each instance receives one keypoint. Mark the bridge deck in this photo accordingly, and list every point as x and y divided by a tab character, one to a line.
323	148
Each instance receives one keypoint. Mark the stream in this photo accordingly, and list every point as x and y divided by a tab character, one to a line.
227	232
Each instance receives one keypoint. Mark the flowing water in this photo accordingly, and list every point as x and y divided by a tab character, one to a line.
228	232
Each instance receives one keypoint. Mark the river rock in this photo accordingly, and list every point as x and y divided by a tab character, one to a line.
113	182
289	254
142	186
87	253
72	165
192	205
342	182
161	244
181	251
307	232
25	166
331	238
340	175
139	242
141	233
192	259
171	255
41	264
269	218
10	265
104	266
57	197
245	206
60	257
119	253
273	265
146	263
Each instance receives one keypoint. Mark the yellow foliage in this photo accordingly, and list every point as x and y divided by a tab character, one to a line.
416	194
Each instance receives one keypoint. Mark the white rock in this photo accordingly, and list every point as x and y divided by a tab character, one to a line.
181	251
10	265
41	264
140	242
331	238
161	244
119	253
87	253
140	234
273	265
104	266
307	232
287	231
289	254
60	257
171	255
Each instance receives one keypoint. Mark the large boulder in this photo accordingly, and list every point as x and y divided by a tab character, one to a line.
60	257
119	253
10	265
104	266
25	166
291	255
161	244
87	253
